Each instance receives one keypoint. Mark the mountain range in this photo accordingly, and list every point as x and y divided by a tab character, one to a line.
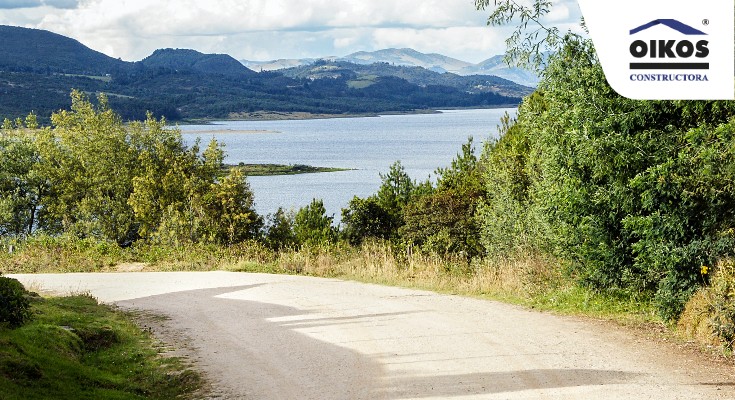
412	58
38	69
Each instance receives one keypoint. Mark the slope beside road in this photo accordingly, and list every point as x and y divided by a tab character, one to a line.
259	336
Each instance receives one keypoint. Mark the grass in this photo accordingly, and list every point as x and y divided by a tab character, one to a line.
362	82
106	79
529	280
75	348
532	280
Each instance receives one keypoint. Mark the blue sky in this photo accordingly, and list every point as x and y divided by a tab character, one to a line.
272	29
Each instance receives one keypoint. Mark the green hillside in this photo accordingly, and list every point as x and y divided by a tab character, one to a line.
39	51
39	69
360	73
193	60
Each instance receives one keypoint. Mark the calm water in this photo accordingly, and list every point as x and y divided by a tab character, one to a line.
368	146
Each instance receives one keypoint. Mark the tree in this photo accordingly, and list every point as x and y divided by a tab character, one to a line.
634	195
279	230
503	214
161	198
21	185
367	218
443	220
442	223
380	215
525	48
183	196
229	215
93	176
396	189
87	161
312	226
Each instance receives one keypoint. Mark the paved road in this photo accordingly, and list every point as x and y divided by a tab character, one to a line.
259	336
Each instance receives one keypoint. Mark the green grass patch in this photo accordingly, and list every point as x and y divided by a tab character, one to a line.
106	78
362	82
75	348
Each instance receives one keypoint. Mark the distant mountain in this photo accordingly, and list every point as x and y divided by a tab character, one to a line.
23	49
38	69
364	75
184	59
496	66
412	58
408	57
282	63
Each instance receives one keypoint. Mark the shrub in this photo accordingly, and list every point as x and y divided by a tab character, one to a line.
723	304
709	316
14	305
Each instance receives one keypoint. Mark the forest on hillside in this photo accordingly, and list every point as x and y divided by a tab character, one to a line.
38	69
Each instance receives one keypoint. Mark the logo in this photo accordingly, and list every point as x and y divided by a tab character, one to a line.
689	54
669	49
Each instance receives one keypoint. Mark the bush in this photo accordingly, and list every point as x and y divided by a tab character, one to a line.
14	305
723	304
709	315
632	195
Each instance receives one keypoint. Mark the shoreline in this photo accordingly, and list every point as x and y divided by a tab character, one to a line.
298	115
282	169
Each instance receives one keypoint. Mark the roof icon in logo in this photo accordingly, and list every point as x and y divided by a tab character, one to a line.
671	23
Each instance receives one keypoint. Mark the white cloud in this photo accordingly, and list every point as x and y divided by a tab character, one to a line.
132	29
472	44
11	4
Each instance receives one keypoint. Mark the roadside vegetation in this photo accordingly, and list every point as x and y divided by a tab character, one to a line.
74	348
587	203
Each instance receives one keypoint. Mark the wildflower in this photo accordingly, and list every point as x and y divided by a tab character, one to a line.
704	269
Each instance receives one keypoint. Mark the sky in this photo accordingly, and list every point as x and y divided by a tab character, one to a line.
260	30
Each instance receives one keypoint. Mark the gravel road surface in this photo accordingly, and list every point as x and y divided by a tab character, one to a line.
259	336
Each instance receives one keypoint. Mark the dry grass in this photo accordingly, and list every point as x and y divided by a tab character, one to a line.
709	316
694	323
516	279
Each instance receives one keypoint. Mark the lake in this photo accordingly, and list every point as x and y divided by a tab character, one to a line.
367	146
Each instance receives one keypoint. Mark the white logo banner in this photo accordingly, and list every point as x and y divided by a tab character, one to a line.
665	49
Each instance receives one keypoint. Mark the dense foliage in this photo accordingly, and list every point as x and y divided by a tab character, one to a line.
635	195
15	308
90	175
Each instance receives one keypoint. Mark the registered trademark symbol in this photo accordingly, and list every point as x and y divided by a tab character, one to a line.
705	22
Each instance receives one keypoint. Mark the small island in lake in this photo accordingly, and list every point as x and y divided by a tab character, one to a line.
279	169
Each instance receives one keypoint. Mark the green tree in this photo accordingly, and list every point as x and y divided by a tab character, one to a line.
87	161
442	223
443	220
367	218
396	188
635	195
279	230
503	215
161	198
229	215
381	215
312	226
525	47
21	185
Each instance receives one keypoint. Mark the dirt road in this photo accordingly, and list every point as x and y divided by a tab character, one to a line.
260	336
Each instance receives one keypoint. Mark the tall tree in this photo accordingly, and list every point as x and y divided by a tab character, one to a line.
87	161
